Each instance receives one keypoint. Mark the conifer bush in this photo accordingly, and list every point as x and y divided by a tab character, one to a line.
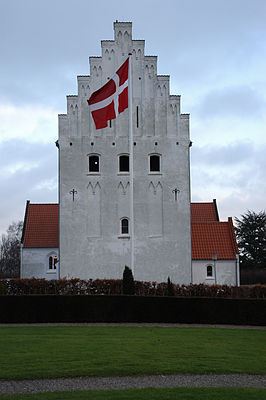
128	282
170	288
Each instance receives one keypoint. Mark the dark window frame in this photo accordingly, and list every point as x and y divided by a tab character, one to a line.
94	163
209	271
155	163
123	163
124	226
52	261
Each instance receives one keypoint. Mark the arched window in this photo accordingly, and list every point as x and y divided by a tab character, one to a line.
155	161
209	271
52	262
124	226
94	163
124	163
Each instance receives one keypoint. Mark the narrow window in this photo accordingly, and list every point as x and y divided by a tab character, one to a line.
110	123
55	259
94	163
137	113
155	163
52	261
124	163
209	270
124	226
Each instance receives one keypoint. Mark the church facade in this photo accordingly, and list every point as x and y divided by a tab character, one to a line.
94	175
93	217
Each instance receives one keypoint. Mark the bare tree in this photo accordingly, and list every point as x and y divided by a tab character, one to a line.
10	251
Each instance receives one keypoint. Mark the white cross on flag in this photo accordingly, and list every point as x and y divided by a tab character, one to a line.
111	99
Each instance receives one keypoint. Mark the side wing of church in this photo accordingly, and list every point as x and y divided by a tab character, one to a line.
94	175
40	241
214	248
215	257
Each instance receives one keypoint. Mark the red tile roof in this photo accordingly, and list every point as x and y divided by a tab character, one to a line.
208	235
41	225
204	212
213	237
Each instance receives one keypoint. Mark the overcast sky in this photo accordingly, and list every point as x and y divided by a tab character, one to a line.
214	51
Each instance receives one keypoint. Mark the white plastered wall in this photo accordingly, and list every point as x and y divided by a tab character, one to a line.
35	263
226	272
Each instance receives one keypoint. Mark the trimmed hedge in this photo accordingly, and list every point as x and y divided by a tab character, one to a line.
253	276
18	287
97	308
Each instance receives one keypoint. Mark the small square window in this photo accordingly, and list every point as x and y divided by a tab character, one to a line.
155	163
94	163
124	163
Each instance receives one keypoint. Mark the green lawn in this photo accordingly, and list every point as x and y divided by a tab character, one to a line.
49	352
149	394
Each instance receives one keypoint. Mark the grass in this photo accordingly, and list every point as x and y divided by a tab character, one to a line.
67	351
149	394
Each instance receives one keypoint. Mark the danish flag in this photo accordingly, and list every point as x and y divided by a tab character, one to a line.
111	99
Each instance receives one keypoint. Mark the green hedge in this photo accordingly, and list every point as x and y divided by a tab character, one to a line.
98	308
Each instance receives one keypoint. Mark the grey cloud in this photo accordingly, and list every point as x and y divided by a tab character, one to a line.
235	205
236	101
45	42
226	156
29	88
218	180
240	170
20	186
244	184
13	151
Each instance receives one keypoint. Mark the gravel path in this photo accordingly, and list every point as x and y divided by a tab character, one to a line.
155	381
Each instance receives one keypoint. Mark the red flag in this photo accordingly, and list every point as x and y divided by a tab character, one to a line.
111	99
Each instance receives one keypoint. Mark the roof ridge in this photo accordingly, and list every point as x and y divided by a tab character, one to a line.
210	222
201	202
44	204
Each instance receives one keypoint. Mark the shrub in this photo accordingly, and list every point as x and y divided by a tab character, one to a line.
252	276
128	281
170	288
40	309
2	289
19	287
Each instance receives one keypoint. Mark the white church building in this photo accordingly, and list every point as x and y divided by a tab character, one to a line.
88	234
